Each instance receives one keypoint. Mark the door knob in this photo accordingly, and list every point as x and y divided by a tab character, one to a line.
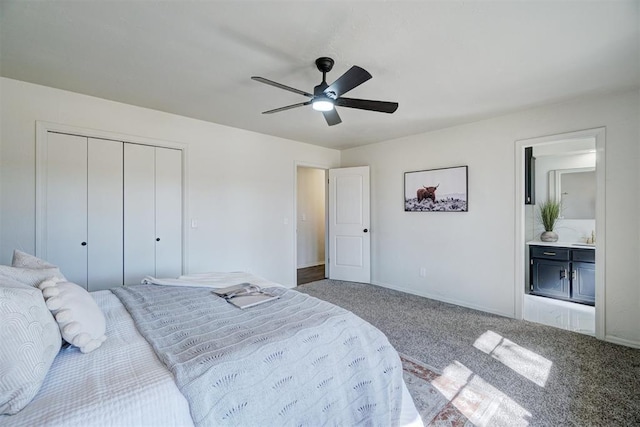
157	239
365	230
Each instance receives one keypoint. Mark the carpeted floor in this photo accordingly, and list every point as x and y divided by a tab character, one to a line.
529	374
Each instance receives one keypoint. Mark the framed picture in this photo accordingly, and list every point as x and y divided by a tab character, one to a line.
436	190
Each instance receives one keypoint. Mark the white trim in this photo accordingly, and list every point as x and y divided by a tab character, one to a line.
311	264
622	341
325	167
519	249
42	128
440	298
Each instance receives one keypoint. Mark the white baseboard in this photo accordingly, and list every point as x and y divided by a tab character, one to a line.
311	264
608	338
622	341
440	298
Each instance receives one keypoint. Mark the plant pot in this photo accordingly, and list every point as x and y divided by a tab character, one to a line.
549	236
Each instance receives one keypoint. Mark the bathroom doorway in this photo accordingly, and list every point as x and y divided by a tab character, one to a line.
561	283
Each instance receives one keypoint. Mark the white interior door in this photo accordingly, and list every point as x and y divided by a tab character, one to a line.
139	213
349	236
104	206
168	212
65	242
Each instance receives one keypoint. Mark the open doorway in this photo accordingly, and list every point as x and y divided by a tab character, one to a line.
561	282
311	224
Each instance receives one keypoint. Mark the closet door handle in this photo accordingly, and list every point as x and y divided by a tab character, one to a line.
84	243
157	239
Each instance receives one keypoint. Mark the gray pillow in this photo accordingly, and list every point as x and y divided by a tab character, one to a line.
25	260
29	276
30	340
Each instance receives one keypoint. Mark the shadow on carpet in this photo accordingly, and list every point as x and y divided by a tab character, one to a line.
445	401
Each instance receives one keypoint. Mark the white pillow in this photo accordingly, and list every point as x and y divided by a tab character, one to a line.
29	276
29	341
25	260
81	322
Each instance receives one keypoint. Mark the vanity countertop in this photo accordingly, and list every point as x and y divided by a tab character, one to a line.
562	244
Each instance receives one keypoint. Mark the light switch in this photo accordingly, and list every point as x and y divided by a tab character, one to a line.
286	220
304	217
194	223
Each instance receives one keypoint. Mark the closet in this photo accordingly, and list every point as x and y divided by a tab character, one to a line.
111	211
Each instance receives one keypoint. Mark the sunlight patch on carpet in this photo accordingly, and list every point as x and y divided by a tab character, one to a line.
458	397
525	362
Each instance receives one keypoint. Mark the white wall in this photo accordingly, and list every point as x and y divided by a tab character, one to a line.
469	257
241	184
311	216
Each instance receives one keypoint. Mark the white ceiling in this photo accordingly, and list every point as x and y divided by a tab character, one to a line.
445	62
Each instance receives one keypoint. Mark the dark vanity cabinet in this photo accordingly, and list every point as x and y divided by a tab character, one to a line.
563	273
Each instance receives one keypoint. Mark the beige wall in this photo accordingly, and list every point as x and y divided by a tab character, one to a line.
311	216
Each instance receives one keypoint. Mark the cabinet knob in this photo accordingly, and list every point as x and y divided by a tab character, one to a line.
157	239
366	230
84	243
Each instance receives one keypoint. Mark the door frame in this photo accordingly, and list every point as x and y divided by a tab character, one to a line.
43	127
599	134
325	168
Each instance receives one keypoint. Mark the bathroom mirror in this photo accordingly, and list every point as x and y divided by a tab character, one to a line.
576	190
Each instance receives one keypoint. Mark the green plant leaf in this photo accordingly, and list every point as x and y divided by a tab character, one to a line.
549	213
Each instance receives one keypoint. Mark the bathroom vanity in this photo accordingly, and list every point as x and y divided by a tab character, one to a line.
563	271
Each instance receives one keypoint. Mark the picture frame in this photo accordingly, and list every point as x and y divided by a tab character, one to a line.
437	190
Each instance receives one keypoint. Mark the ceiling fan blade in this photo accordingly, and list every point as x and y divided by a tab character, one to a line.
366	104
281	86
332	117
288	107
355	76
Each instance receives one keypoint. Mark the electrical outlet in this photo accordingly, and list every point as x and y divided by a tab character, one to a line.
423	272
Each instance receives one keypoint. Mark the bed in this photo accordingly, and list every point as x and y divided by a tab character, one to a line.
179	355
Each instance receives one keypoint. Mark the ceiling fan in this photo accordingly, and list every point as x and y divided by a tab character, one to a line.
326	97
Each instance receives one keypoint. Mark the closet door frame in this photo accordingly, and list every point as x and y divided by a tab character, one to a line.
42	129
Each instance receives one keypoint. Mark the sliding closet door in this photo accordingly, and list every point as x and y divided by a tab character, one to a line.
104	205
168	212
139	213
65	230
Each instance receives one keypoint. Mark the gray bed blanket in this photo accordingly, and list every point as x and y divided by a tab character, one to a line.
295	361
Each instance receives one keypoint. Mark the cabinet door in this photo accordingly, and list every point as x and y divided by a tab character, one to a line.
583	285
168	212
139	213
550	278
104	206
66	206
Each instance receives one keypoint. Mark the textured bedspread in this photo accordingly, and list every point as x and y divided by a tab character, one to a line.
293	361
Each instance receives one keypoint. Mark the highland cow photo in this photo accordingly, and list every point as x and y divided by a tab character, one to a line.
436	190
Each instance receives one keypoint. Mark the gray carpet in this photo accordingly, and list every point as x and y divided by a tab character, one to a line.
539	375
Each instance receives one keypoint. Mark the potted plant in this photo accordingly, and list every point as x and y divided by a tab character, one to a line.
549	213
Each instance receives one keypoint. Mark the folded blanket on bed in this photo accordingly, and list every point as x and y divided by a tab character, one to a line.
210	280
293	361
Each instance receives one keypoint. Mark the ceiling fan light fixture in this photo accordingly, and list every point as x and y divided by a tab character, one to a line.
322	104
